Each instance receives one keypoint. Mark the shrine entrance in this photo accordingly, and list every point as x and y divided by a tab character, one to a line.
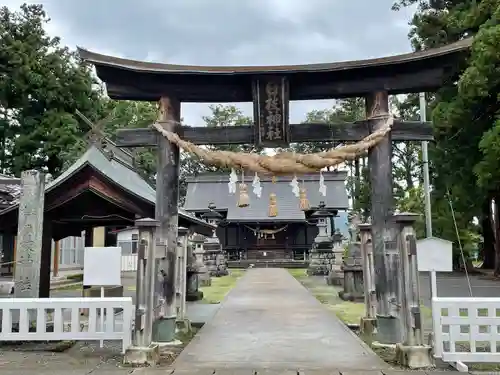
271	88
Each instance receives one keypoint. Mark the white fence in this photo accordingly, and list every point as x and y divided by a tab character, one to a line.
466	329
129	262
55	319
71	251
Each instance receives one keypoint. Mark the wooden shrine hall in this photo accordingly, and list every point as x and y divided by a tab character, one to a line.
248	233
101	189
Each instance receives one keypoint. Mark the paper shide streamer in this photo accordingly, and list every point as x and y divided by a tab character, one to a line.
257	187
233	179
322	186
295	186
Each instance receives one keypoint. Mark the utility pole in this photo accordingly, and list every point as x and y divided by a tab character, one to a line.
427	198
425	162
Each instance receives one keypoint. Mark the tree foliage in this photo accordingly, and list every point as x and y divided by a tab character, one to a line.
41	85
465	111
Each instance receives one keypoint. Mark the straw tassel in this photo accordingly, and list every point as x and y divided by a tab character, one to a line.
273	205
273	201
244	199
304	202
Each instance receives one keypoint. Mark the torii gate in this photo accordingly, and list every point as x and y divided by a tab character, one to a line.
373	79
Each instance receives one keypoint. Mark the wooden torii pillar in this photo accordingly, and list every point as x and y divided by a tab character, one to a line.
268	132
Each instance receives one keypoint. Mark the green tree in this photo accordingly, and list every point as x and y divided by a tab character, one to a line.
220	116
407	156
344	111
465	112
131	114
41	85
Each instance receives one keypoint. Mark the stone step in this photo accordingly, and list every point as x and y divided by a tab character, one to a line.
276	263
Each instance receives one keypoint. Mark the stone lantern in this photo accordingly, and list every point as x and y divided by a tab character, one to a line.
321	253
214	257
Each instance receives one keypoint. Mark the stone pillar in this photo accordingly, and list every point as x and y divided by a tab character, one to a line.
181	273
321	254
351	266
28	255
369	321
336	275
199	255
412	352
214	256
144	350
193	292
353	274
183	323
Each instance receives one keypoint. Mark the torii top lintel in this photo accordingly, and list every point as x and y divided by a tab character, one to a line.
406	73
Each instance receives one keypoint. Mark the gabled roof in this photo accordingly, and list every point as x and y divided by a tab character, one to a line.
10	190
213	188
114	169
119	172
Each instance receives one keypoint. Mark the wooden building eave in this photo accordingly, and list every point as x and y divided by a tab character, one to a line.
411	72
84	177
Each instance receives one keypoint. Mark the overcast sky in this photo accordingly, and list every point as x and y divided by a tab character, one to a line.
232	32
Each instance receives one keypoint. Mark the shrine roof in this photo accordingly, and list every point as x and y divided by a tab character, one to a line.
114	169
213	188
410	72
118	171
10	190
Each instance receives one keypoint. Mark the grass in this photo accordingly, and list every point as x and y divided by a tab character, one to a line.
221	286
75	277
69	287
351	313
348	312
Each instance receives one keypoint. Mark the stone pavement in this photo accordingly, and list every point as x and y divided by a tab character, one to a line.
206	371
270	321
287	315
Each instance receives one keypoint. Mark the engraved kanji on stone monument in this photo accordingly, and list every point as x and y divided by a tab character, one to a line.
271	111
29	235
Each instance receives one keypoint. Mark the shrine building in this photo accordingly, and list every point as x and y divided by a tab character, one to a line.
249	233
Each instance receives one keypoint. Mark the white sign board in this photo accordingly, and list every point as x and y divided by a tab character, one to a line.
435	254
102	266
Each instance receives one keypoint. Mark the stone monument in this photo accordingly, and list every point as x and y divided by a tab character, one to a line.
214	256
322	256
352	265
28	255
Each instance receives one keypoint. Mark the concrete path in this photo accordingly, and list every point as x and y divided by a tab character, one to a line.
270	321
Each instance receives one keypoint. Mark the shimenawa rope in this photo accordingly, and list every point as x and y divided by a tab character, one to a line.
285	162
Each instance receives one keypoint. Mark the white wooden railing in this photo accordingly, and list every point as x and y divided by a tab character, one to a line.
129	262
55	319
466	330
